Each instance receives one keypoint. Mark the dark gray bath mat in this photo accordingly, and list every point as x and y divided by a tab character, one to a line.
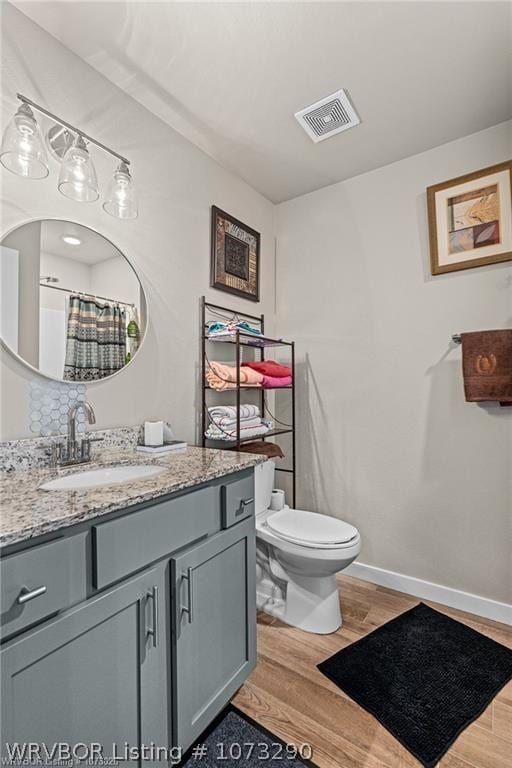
235	740
424	676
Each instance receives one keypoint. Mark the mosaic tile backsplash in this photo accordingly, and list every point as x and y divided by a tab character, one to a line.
50	402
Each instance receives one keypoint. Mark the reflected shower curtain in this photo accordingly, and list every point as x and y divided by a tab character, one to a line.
95	339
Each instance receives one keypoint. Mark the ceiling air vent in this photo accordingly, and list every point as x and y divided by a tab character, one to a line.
328	116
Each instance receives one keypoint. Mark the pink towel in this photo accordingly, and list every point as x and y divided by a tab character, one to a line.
221	376
270	382
269	368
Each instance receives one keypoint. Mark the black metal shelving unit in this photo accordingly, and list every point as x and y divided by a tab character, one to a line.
242	340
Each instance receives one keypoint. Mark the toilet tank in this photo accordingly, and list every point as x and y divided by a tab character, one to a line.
263	485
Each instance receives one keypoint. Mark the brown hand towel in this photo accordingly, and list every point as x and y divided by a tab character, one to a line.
487	365
271	450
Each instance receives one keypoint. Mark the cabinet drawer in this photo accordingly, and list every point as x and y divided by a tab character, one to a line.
237	499
38	582
132	542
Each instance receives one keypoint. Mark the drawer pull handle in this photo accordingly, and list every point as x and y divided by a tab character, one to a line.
189	609
30	594
243	504
153	631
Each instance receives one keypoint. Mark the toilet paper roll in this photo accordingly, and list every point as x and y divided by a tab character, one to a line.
153	433
277	500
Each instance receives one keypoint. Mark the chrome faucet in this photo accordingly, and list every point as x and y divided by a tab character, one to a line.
71	451
73	420
76	452
73	454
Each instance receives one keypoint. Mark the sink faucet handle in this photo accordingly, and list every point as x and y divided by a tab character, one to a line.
54	451
86	446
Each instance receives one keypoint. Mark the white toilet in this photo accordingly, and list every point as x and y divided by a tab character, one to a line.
298	556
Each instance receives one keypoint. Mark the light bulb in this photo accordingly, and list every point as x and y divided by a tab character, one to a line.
77	179
120	198
23	151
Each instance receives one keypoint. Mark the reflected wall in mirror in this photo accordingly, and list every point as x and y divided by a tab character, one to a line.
72	306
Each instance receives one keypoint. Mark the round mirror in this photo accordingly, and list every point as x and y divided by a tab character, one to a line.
72	306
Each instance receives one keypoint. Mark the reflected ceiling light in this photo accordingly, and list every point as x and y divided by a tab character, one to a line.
77	178
71	239
23	151
120	199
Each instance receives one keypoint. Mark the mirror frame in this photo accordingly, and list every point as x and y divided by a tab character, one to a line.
35	370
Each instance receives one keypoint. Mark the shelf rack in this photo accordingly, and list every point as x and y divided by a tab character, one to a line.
243	340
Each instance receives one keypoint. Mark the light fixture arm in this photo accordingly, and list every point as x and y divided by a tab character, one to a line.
71	128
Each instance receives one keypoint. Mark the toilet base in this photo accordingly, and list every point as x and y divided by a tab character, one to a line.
310	603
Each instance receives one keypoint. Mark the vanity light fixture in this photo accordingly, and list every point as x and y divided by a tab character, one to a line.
23	152
120	200
58	141
77	178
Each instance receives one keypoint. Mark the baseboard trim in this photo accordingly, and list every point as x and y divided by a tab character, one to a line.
427	590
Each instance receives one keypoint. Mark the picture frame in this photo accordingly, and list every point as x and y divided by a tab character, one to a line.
470	219
235	256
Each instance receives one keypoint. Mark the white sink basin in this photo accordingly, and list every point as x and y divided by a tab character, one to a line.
95	478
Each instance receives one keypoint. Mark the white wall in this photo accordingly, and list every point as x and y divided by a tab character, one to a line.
9	296
69	272
169	244
113	278
27	243
386	440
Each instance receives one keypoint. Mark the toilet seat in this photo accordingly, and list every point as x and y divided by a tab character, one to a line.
310	529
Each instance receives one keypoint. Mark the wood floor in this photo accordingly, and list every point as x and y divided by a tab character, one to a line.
290	697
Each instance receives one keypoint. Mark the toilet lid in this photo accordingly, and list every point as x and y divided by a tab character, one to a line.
310	527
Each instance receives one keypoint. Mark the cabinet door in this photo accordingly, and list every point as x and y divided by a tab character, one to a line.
214	607
97	674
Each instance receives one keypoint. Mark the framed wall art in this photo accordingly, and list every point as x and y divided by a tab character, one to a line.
235	256
470	220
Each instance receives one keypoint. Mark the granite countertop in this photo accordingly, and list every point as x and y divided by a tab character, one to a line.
27	511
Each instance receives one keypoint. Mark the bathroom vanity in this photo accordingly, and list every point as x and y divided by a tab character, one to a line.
128	612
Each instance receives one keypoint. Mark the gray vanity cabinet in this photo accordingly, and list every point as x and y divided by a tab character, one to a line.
93	675
214	626
139	628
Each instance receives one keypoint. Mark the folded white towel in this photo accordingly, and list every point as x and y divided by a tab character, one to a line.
228	424
214	433
229	411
